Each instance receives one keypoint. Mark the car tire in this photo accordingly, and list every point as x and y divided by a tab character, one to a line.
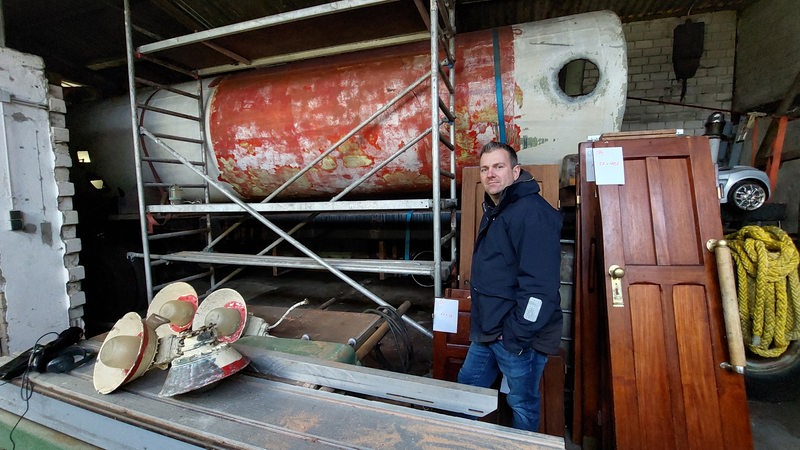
747	195
774	379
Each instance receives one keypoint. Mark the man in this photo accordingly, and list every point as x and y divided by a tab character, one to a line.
516	265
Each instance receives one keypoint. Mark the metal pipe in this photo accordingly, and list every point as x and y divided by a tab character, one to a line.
196	276
451	83
380	166
137	150
378	219
173	234
206	155
257	24
666	102
435	150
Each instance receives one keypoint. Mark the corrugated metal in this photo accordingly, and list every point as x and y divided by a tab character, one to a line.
83	40
476	14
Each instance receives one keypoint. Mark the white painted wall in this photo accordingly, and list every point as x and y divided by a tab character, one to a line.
34	280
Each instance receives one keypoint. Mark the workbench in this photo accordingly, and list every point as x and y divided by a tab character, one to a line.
319	325
244	411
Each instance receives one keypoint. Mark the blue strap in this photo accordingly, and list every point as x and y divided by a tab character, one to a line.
408	236
498	87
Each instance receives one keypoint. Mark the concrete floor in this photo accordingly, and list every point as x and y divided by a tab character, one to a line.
775	426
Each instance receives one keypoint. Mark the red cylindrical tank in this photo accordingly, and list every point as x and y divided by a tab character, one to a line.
267	125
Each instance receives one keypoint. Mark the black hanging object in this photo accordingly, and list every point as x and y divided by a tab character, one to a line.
687	48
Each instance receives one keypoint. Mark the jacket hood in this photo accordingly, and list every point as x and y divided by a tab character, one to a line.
523	186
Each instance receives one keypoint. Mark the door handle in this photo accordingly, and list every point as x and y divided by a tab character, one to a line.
730	305
616	272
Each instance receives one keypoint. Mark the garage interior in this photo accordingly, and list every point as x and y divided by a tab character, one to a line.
254	172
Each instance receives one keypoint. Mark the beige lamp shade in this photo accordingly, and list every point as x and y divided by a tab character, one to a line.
127	352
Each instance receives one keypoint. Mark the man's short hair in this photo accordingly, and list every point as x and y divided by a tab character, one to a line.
494	145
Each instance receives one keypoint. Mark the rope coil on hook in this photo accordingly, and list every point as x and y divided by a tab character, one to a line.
768	288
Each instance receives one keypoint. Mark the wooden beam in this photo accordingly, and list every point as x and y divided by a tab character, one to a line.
428	392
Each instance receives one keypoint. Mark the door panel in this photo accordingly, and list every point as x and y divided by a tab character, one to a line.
649	358
666	339
696	362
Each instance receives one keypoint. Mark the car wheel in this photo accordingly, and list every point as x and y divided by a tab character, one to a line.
774	379
747	195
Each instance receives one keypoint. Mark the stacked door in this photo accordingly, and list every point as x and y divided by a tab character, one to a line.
663	317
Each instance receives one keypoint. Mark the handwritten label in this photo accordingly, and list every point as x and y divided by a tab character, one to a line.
445	315
608	165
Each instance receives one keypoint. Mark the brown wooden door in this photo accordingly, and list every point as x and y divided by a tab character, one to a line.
666	338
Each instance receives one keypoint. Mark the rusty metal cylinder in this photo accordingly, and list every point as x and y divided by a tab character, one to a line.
265	125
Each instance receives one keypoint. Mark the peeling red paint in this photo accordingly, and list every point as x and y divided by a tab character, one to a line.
235	366
242	310
267	125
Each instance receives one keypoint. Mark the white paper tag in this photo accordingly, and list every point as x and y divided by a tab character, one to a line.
445	315
532	310
609	166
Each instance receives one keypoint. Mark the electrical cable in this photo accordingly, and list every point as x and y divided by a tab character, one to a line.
26	386
401	338
414	278
304	302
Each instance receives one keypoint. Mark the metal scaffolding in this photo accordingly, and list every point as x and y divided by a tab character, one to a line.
439	18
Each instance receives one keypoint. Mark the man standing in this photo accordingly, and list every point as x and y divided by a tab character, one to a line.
516	265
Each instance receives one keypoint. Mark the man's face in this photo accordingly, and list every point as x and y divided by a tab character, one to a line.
497	172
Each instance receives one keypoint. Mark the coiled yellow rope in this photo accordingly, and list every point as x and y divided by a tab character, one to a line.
768	288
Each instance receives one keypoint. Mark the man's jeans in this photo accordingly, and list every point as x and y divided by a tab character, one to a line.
486	360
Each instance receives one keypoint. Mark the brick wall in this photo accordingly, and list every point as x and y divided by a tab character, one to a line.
66	190
651	76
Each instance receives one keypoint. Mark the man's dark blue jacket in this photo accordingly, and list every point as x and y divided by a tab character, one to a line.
517	260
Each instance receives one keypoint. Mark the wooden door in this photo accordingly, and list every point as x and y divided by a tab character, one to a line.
666	332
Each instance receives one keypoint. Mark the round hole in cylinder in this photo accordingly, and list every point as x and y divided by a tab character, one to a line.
578	77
